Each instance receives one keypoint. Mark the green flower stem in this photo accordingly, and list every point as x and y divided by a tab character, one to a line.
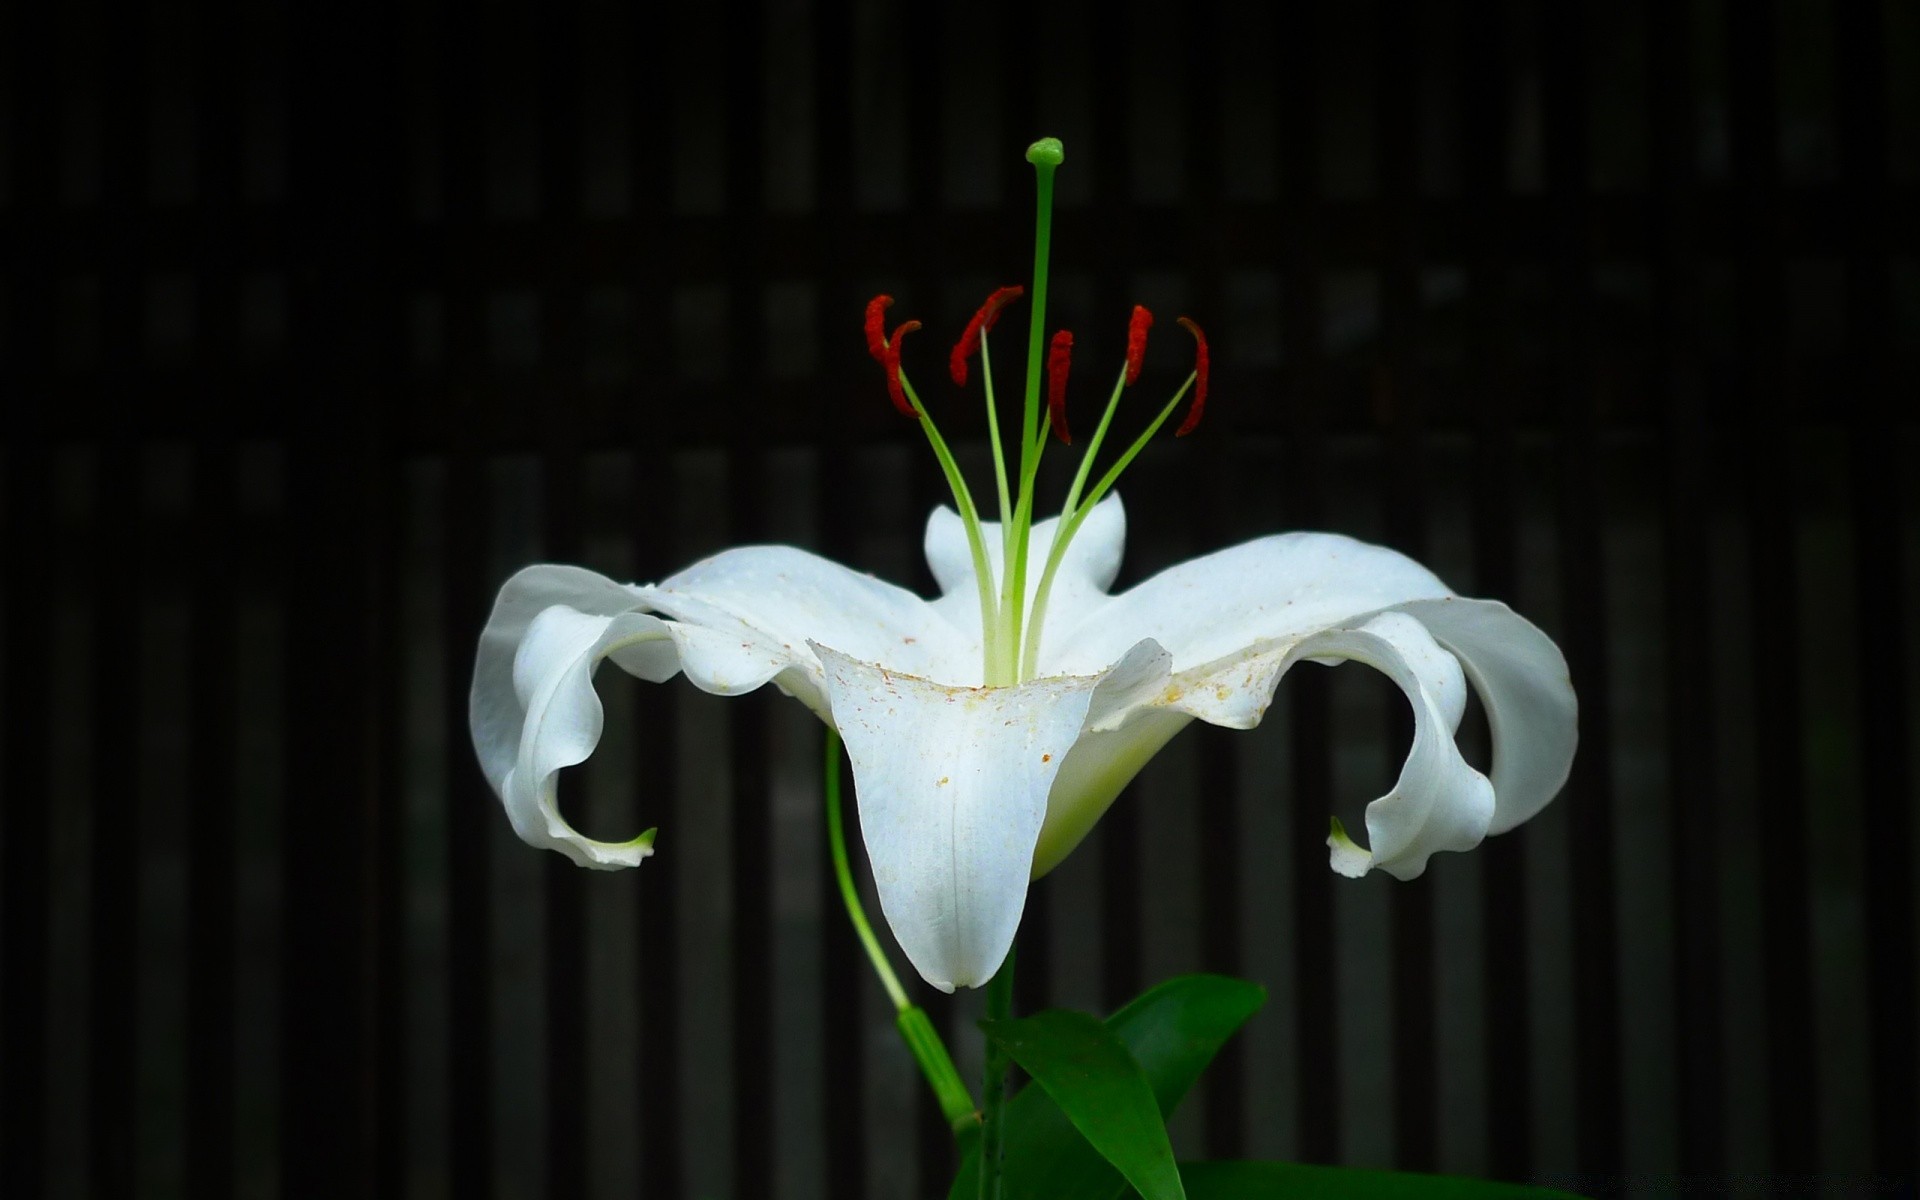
923	1041
994	1088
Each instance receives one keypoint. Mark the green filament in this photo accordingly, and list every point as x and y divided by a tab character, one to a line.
1010	634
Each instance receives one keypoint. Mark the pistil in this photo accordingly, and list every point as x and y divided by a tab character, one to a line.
1010	635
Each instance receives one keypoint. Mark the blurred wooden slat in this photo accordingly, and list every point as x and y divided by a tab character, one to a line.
1761	376
1223	895
211	916
1302	326
1485	110
555	36
117	784
1581	516
746	136
1884	589
1687	497
471	809
344	323
1399	403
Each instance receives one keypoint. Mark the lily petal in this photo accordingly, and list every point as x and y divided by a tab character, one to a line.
741	619
533	710
1237	619
952	784
1523	683
1085	573
1439	803
771	600
1215	606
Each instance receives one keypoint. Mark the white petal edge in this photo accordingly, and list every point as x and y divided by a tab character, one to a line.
533	710
1438	803
1215	606
952	784
1523	683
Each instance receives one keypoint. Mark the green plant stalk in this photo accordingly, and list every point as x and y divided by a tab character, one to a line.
916	1029
993	1089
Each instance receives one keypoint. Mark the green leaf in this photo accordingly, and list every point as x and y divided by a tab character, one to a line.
1091	1075
1173	1031
1288	1181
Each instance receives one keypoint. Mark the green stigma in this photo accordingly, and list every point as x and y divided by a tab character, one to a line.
1011	632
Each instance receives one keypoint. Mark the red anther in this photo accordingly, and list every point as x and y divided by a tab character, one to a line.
1137	326
1059	358
981	324
891	357
1199	404
877	327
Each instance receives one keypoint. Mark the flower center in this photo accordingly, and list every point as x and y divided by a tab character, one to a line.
1011	631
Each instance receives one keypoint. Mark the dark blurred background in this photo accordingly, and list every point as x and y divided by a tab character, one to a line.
318	320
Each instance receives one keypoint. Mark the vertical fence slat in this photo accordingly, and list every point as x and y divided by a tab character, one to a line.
1686	495
1302	325
341	173
211	917
560	354
1483	154
114	894
1759	388
843	974
29	606
1399	399
1222	895
752	848
650	121
471	811
1884	612
1580	517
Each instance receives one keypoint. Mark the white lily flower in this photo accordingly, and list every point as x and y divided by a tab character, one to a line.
967	791
991	727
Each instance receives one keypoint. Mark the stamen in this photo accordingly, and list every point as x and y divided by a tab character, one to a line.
891	357
982	324
1059	359
1199	378
877	327
1137	327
